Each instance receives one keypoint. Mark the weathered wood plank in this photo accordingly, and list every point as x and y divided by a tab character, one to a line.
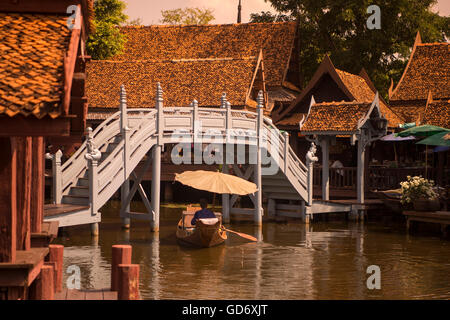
94	295
61	295
110	295
56	209
37	184
24	165
7	201
73	294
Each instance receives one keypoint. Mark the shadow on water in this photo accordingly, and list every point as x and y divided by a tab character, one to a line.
326	260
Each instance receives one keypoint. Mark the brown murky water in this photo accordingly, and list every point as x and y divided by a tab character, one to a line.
327	260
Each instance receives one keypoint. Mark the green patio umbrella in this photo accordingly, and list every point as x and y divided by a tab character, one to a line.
436	139
422	131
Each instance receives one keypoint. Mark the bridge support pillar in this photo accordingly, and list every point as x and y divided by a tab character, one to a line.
257	170
325	168
124	192
156	188
225	200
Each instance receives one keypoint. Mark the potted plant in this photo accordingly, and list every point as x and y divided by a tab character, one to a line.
419	192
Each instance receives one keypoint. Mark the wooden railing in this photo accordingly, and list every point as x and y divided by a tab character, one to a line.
378	178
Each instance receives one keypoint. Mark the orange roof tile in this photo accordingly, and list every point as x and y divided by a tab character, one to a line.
335	116
216	41
32	49
428	69
437	113
182	81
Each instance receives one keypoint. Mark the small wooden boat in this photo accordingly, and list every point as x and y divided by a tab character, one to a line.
391	199
206	232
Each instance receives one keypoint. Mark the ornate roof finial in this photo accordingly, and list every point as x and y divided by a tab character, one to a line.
223	100
260	99
239	12
159	92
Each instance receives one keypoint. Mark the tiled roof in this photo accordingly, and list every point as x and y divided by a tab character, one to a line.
359	88
214	41
32	48
182	81
428	69
293	120
437	113
409	111
335	116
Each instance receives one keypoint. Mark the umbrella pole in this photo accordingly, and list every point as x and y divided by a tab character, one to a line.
426	161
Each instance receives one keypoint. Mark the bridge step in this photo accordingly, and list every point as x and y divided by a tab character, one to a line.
72	199
285	188
83	182
79	191
283	196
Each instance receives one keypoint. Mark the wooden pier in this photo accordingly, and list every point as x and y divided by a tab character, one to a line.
437	217
73	294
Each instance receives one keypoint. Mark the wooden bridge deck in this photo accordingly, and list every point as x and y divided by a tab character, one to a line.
56	209
73	294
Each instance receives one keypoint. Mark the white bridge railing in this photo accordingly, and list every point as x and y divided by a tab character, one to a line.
133	132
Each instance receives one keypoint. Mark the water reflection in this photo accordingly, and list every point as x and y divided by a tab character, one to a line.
290	261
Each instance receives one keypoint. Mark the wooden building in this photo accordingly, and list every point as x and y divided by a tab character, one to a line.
329	84
425	80
198	62
41	97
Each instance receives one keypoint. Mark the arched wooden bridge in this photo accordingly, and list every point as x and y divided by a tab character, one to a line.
107	159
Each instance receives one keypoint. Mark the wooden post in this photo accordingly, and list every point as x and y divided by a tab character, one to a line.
225	200
310	159
92	155
360	170
57	179
24	165
325	143
8	190
125	131
56	255
43	285
37	184
156	165
121	254
128	282
286	151
258	180
272	208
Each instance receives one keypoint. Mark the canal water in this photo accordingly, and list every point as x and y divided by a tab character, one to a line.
327	260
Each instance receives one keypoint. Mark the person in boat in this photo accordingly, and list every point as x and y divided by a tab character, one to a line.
204	213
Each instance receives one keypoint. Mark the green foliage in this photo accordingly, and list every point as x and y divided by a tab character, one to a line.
187	16
107	39
338	28
267	16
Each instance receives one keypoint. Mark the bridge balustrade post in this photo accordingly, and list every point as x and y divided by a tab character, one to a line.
156	165
57	177
226	157
125	133
258	180
286	151
310	159
92	156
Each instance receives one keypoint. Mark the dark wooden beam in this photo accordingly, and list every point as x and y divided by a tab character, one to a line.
7	201
30	126
41	6
24	165
37	185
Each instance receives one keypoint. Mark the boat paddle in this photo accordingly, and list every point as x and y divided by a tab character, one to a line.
243	235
